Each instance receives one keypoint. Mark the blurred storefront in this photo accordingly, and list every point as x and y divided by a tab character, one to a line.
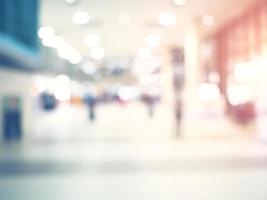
234	59
237	57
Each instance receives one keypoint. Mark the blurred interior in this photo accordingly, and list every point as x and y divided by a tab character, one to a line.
124	97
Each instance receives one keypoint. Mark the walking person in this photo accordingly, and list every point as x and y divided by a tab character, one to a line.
150	103
179	115
91	103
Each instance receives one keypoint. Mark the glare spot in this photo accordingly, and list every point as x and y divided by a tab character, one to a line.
92	40
167	19
45	32
97	53
81	18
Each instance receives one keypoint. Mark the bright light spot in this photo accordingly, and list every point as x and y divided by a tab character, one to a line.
124	19
70	54
260	64
61	88
152	41
64	51
251	71
40	84
89	68
71	1
128	93
208	20
144	53
209	92
59	41
92	40
81	18
97	53
179	2
75	57
47	43
64	45
45	32
259	61
245	72
239	95
53	41
167	19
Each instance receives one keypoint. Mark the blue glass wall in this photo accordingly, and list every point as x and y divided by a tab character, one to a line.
18	28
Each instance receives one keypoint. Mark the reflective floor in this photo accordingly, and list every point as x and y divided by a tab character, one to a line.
113	122
71	158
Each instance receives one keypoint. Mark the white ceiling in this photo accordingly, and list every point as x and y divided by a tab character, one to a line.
126	39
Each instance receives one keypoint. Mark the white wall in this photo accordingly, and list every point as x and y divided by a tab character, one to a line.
17	83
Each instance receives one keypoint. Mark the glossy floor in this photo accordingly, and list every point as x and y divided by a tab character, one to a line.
74	159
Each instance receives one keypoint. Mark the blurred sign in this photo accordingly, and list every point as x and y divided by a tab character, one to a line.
18	33
19	23
12	117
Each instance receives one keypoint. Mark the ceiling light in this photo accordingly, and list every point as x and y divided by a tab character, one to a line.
179	2
152	41
61	87
40	83
63	50
208	20
45	32
47	43
70	54
74	56
53	41
71	1
81	18
167	19
92	40
59	41
97	53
